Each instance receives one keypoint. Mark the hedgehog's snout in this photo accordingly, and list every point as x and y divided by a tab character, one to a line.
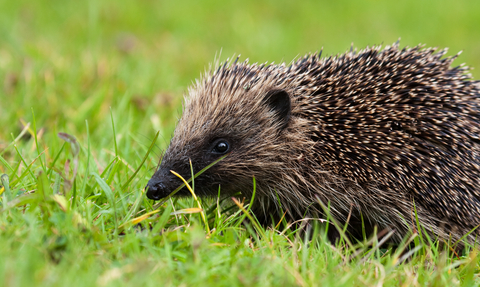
156	189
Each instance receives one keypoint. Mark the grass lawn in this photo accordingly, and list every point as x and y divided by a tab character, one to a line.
90	92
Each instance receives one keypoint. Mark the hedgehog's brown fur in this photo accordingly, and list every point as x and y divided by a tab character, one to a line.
380	133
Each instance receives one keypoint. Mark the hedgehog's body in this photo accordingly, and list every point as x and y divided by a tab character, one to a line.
376	133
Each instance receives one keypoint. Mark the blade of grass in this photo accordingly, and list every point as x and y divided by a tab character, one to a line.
22	133
27	170
5	163
152	145
55	159
202	214
87	166
250	217
250	205
111	197
75	147
36	142
6	187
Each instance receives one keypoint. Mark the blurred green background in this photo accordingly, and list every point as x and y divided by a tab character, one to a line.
72	60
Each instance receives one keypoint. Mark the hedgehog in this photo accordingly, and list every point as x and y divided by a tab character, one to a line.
382	137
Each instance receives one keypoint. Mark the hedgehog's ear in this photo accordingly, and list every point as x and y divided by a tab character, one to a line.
279	102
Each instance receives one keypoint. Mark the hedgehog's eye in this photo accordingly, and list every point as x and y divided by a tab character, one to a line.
221	147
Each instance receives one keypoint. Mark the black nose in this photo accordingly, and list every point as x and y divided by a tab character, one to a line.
155	189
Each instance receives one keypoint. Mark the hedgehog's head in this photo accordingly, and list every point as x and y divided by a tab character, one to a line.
241	112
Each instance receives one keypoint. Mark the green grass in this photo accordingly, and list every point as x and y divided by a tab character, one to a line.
80	67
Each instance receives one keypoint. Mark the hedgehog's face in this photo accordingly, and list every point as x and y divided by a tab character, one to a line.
245	127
